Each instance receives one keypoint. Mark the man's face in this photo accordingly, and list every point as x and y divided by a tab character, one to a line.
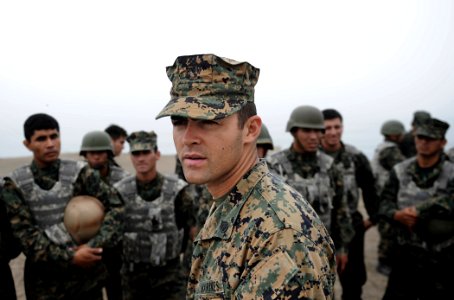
307	139
261	151
209	151
144	161
333	132
45	145
118	145
97	159
428	147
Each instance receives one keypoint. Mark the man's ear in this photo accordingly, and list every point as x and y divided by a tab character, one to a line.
252	128
27	144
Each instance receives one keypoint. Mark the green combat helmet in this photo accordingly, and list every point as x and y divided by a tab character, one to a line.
96	141
83	218
264	138
392	127
306	116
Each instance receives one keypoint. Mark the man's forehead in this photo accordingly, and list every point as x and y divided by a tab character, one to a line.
44	132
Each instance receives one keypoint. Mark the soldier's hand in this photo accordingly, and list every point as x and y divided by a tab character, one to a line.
86	256
341	261
406	216
367	224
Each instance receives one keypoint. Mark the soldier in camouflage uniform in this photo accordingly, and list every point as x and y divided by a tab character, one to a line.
158	212
423	268
261	239
450	154
314	174
386	155
9	249
407	145
97	150
358	180
36	196
264	142
118	136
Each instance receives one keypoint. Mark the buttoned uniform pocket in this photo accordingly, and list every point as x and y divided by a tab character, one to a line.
269	278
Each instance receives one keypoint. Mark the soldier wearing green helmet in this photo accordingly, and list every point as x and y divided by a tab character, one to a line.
387	154
313	174
264	142
97	149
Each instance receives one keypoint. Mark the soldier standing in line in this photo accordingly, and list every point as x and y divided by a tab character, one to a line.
158	212
9	249
450	154
387	154
97	150
261	238
36	196
264	142
422	269
314	174
407	145
358	180
118	136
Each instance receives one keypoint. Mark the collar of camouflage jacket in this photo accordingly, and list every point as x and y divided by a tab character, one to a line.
222	219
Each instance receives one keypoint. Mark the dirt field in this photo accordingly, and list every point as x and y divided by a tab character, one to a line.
372	290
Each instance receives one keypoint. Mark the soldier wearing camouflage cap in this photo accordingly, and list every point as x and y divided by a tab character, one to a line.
158	217
314	174
260	239
415	187
36	196
407	145
97	149
387	154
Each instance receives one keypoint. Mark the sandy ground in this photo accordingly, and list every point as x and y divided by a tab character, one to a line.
372	290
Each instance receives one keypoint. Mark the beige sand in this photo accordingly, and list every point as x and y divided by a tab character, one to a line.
372	290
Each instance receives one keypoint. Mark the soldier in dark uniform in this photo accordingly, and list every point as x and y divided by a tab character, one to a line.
9	249
407	145
36	195
422	268
98	151
157	216
358	180
314	174
387	154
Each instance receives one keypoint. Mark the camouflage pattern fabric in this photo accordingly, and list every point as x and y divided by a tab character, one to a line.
357	173
262	241
159	282
414	255
306	167
207	86
450	154
9	249
142	140
48	267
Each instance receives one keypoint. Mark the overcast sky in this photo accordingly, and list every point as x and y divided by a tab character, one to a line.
93	63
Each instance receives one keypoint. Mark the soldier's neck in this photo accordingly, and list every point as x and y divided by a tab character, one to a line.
223	185
147	177
425	161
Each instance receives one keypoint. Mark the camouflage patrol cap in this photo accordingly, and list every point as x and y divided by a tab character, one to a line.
433	128
420	117
142	140
209	87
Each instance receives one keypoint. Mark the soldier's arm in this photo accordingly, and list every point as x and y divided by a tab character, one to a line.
89	182
34	242
390	157
288	267
442	206
366	182
342	225
388	198
184	208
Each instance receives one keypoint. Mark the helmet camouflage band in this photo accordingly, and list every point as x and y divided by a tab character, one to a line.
142	140
209	87
306	116
96	141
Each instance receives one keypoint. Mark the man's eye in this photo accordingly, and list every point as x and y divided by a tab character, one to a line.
178	121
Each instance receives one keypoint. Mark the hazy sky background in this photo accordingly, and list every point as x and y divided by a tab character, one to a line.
93	63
